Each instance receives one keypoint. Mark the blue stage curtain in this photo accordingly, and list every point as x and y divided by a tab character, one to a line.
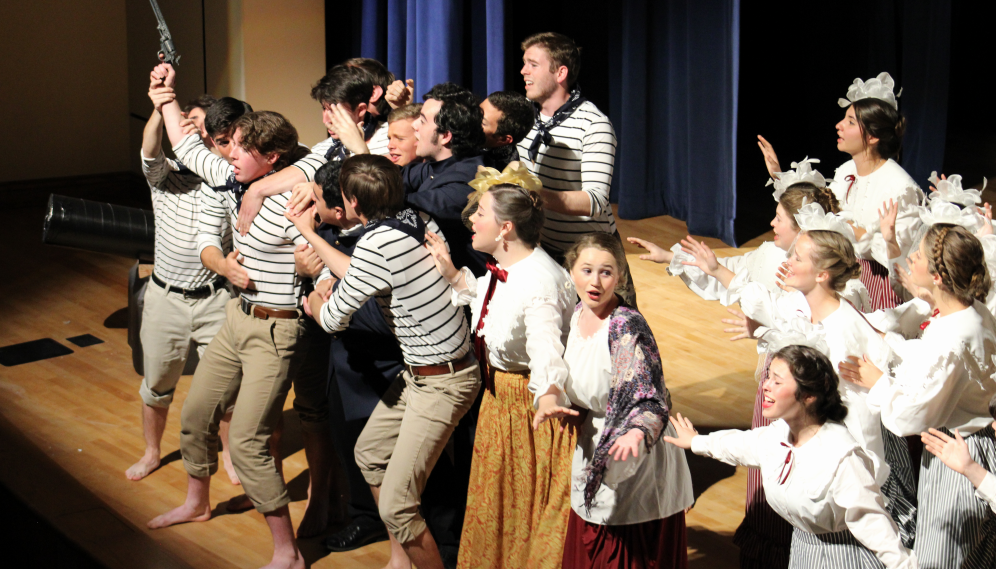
926	59
432	41
675	112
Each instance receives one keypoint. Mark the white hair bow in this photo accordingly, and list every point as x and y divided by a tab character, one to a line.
811	217
945	212
950	191
876	88
803	172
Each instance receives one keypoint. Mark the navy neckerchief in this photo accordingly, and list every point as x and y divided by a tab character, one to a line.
238	188
407	221
543	128
370	125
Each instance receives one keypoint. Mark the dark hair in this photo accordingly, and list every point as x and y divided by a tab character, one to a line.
956	255
610	244
880	120
562	50
460	115
375	183
203	102
409	111
220	117
347	84
381	77
801	193
267	132
814	377
517	114
524	208
327	178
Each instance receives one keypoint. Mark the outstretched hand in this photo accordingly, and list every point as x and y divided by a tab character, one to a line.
548	409
654	253
626	445
704	257
859	371
770	158
781	274
685	430
743	325
441	257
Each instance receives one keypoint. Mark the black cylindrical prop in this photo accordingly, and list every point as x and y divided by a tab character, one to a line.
100	227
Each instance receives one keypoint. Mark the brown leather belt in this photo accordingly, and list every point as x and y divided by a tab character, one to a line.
263	312
450	367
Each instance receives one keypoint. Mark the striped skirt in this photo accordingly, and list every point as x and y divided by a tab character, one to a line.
519	495
764	537
875	277
954	528
839	550
899	487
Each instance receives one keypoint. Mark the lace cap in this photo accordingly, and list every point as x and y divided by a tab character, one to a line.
950	191
803	172
797	332
939	211
811	217
875	88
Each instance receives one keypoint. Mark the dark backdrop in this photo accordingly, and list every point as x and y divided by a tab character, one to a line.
793	66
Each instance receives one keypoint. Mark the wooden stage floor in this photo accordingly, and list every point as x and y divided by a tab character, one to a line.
70	425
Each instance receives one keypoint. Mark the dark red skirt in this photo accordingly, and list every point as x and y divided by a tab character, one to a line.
875	277
658	544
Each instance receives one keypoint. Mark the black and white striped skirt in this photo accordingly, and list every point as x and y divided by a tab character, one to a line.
954	527
839	550
899	487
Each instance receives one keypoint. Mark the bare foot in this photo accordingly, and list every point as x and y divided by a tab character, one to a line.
181	515
226	459
240	503
316	517
144	467
296	562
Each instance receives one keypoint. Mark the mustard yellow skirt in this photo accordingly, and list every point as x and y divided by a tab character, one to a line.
519	496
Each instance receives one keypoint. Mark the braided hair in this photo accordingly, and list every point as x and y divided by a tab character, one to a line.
956	256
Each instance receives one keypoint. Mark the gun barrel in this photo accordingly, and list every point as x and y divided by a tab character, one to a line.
100	227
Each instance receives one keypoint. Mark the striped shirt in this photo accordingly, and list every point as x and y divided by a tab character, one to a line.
179	198
580	158
268	248
397	271
316	159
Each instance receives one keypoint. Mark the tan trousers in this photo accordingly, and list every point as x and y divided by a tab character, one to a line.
169	323
259	358
406	435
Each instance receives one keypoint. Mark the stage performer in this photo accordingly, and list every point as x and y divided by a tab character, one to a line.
815	474
872	134
629	491
508	118
571	147
943	381
519	495
411	425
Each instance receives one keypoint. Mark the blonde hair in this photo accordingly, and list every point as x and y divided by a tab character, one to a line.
957	257
833	253
610	244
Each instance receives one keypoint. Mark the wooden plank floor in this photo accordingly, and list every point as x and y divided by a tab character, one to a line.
79	414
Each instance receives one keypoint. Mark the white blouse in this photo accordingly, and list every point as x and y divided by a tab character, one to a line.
944	378
823	486
987	490
651	486
867	194
846	333
759	265
528	318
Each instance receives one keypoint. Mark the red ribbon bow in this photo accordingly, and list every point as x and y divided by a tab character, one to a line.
926	323
497	274
783	475
850	178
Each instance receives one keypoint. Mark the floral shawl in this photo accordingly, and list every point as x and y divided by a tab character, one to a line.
637	398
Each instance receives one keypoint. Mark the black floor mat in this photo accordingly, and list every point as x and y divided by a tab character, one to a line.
32	351
85	340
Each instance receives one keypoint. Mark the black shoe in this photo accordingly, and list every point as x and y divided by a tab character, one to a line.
356	535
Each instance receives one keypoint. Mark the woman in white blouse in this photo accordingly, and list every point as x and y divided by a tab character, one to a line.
815	474
628	491
518	499
872	134
943	380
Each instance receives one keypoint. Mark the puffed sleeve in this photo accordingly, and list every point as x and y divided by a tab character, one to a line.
987	490
922	391
904	320
543	319
855	491
706	286
465	296
873	246
739	448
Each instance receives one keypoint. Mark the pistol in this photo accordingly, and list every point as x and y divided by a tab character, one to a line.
167	53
